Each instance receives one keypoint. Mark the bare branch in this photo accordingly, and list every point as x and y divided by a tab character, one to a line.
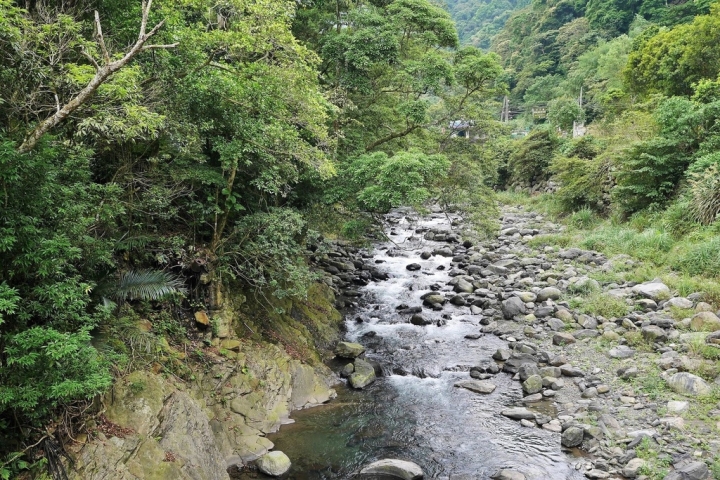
90	57
102	73
151	47
145	12
101	39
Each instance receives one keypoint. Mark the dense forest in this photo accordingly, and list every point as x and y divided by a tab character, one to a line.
643	78
478	22
146	145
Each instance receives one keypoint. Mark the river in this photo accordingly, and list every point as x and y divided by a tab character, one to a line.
413	411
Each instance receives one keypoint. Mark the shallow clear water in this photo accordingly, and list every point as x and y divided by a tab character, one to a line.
414	412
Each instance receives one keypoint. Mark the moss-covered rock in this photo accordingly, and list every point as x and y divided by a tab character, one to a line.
196	429
363	375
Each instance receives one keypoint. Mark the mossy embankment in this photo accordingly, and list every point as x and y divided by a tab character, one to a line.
205	406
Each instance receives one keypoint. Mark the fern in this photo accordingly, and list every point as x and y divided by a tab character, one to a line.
146	285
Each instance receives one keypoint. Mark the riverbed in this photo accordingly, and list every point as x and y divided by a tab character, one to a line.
413	411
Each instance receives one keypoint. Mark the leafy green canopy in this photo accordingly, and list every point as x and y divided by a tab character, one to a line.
671	60
380	183
173	154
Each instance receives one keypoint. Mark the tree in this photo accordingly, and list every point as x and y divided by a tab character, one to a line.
563	112
673	60
103	70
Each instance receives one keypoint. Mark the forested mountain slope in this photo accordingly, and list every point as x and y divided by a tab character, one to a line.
478	21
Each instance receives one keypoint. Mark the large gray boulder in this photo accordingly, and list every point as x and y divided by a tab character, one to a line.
392	468
572	437
653	290
653	333
622	352
273	463
507	474
686	383
632	467
690	471
518	413
513	307
477	386
532	385
705	322
463	286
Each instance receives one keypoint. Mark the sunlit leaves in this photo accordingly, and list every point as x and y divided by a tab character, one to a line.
406	178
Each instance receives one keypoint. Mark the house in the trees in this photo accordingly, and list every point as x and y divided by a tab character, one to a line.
462	129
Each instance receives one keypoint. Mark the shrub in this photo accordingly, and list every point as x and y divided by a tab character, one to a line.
705	191
584	183
649	174
266	253
598	303
678	219
583	218
47	368
564	111
529	163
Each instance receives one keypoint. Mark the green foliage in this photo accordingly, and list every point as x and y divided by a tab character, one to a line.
265	252
478	22
380	182
146	285
705	192
651	170
583	218
675	59
650	244
613	17
585	178
563	112
422	16
46	368
466	187
597	303
530	162
702	258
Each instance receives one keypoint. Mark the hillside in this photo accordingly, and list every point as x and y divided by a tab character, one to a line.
478	21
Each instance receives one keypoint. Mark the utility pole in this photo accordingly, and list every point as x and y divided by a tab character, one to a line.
580	102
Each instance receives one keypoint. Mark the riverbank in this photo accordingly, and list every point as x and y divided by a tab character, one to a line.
214	419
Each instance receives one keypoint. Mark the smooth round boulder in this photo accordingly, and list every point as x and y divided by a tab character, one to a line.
548	293
273	463
392	468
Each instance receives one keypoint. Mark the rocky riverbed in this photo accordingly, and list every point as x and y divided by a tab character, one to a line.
501	358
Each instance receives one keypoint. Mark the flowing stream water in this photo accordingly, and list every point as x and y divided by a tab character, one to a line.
413	411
